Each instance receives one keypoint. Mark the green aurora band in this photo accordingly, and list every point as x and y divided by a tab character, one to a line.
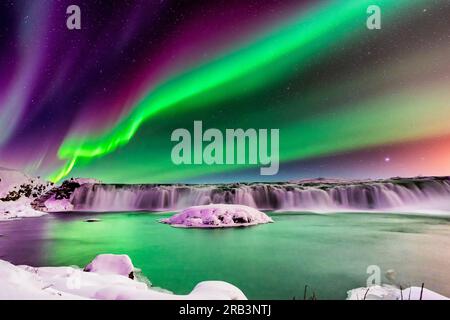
258	65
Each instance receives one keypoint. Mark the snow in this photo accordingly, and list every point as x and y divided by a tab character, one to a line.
60	205
111	264
10	178
18	209
86	181
108	282
14	203
388	292
218	216
19	194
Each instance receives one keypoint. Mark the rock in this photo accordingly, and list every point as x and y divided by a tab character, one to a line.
218	216
217	290
112	264
17	191
58	198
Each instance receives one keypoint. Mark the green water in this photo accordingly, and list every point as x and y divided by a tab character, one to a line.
329	253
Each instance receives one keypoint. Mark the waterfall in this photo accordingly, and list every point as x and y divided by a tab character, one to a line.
413	194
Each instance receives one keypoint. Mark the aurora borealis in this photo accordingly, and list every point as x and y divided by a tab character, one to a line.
102	101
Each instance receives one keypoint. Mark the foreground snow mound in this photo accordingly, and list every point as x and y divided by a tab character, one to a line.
387	292
48	283
218	216
112	264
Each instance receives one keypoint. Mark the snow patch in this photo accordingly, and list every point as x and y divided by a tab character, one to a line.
60	205
111	264
218	216
10	178
388	292
86	181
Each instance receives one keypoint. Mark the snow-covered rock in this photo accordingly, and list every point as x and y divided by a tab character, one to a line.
24	282
18	209
59	198
112	264
218	216
216	290
17	192
60	205
388	292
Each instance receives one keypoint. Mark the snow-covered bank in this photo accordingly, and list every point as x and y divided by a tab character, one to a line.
17	210
388	292
108	279
17	191
23	196
218	216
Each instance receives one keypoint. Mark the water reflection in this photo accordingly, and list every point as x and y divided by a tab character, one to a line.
24	241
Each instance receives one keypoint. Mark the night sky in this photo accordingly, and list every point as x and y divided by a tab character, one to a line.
102	101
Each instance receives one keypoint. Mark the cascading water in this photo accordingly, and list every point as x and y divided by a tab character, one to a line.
415	194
